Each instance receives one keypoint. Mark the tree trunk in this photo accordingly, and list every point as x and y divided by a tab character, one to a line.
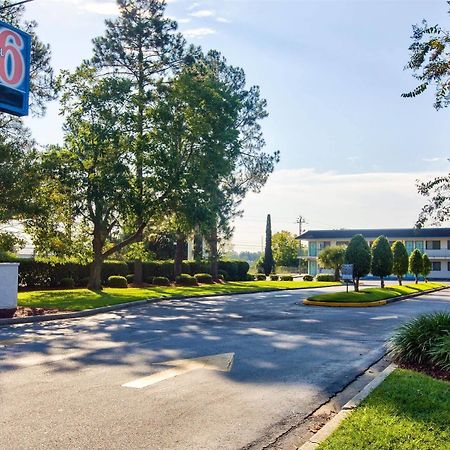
417	279
356	281
138	270
95	275
179	253
399	280
382	282
337	275
213	255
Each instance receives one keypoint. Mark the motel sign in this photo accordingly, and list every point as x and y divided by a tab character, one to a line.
15	54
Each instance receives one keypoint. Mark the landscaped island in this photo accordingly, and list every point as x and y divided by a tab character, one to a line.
372	295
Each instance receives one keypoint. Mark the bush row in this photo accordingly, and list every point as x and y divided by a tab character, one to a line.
45	274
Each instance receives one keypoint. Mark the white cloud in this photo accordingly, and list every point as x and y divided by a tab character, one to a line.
435	159
330	200
203	13
198	32
223	20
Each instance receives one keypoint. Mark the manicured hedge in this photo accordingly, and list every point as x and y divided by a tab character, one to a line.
325	277
186	280
308	278
286	278
205	278
115	281
50	273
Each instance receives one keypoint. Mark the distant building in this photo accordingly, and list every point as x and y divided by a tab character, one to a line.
435	242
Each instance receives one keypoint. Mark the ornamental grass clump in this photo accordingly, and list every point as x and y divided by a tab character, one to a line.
423	341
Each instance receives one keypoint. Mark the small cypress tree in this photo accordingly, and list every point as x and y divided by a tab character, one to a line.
400	261
427	266
382	258
269	264
416	263
358	253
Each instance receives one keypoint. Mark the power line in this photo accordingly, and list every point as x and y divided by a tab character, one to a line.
15	4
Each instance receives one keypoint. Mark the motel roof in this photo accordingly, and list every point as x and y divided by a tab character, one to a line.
412	233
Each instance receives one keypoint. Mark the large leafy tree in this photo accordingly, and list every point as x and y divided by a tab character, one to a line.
90	172
400	260
285	249
382	258
430	64
416	263
333	258
18	159
140	45
358	253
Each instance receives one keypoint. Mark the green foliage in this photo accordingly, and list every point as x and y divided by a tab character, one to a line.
416	263
332	258
285	249
287	278
10	242
67	283
325	277
423	340
358	253
223	274
161	281
400	260
117	282
382	258
186	280
269	263
204	278
274	277
308	277
261	277
426	266
440	352
130	278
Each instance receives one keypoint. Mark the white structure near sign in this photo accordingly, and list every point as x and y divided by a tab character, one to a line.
9	284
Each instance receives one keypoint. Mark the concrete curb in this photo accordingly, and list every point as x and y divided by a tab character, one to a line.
370	304
346	410
119	306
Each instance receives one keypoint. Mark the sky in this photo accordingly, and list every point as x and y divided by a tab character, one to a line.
332	73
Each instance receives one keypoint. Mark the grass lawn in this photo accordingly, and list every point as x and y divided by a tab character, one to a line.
408	411
79	299
374	294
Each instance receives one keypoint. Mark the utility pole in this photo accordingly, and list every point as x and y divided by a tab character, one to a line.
300	221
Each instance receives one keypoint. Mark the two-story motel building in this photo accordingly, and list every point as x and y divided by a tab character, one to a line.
435	242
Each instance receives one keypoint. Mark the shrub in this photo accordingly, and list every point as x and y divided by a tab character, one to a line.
250	277
67	283
221	277
261	277
325	277
421	340
117	281
113	268
203	278
287	278
224	274
130	278
274	277
186	280
161	281
308	278
440	352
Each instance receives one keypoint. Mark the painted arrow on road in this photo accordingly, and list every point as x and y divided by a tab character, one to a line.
222	362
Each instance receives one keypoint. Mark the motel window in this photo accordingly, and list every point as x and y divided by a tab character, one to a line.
324	244
448	266
419	245
436	266
448	245
433	245
343	243
409	246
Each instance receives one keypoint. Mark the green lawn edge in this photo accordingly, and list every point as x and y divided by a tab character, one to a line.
408	411
375	294
83	299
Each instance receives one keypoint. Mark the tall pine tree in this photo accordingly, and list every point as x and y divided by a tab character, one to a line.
268	254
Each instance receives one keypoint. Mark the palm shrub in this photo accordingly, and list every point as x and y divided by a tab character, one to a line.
332	258
440	352
382	258
400	260
416	263
423	340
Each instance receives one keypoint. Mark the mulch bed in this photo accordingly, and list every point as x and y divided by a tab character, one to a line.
23	311
428	370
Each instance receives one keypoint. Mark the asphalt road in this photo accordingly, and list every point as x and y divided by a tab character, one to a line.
61	383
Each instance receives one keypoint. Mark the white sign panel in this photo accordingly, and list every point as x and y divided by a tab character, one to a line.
347	272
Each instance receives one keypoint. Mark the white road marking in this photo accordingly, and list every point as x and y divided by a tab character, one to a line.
222	362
